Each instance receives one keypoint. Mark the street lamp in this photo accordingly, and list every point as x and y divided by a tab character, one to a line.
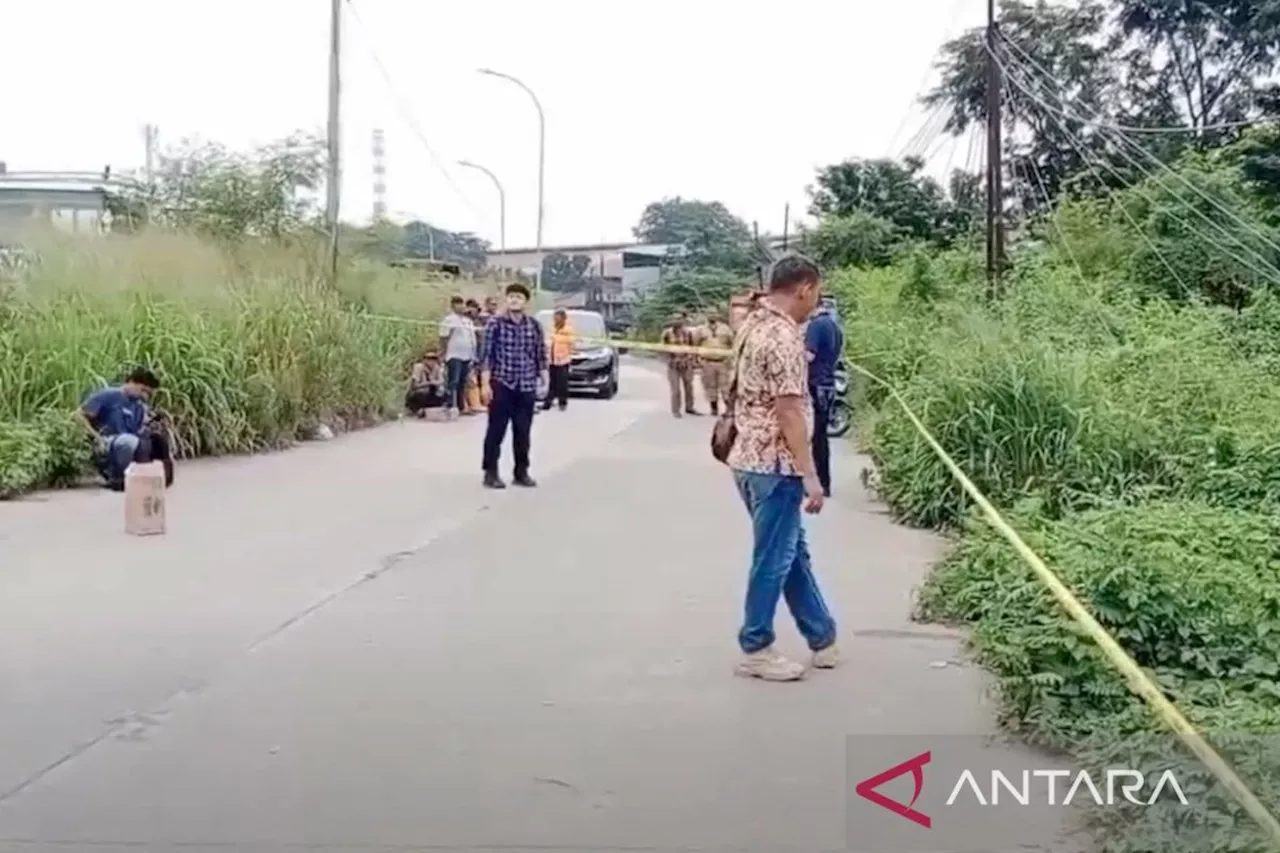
542	160
502	201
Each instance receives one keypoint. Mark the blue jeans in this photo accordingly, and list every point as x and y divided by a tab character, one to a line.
458	370
120	454
780	564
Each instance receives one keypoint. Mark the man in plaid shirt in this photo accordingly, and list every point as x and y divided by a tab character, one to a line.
515	364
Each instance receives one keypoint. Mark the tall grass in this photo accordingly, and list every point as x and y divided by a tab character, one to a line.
1133	439
251	345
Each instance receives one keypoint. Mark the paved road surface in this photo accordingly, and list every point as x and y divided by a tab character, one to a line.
352	647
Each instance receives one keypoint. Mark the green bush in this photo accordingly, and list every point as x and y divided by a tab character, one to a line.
1190	591
1130	432
251	346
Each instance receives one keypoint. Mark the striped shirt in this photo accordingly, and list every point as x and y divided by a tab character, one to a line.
514	351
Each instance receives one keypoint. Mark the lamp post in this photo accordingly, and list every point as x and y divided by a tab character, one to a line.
542	160
502	201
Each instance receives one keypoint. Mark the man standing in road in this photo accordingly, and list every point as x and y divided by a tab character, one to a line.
773	468
514	365
715	381
824	341
561	357
458	343
680	365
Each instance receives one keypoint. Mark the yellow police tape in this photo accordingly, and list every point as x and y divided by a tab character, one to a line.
1139	682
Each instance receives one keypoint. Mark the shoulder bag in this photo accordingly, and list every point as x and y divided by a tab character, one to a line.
725	430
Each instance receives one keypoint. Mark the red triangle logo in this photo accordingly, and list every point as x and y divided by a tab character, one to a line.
915	766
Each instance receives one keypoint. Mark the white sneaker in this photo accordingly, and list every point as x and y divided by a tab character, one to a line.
769	665
828	658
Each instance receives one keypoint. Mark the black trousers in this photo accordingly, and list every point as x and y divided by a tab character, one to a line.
424	397
558	386
823	397
514	408
153	446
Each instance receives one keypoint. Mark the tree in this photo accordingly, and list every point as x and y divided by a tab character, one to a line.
1202	63
423	240
893	192
1257	155
561	272
268	192
852	239
692	291
706	232
386	241
1059	56
1075	72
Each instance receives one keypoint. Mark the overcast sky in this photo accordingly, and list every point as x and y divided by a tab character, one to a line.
711	99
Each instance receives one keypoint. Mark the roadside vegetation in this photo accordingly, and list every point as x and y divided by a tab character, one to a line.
1119	398
223	294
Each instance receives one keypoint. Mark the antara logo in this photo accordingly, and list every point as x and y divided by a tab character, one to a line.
1023	788
915	766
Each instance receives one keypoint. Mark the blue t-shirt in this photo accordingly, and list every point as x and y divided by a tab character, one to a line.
825	340
115	412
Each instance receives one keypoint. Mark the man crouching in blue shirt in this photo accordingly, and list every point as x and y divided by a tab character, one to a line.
119	416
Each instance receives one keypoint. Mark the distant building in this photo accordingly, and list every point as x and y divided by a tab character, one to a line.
635	265
74	201
606	258
603	294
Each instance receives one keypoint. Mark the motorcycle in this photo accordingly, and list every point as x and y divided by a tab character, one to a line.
841	419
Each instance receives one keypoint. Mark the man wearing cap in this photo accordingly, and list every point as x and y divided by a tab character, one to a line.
514	364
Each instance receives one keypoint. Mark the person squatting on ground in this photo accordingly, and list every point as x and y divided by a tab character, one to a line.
680	365
426	386
773	469
824	341
126	431
458	343
515	365
561	358
715	380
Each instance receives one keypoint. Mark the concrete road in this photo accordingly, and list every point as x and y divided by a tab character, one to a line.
351	646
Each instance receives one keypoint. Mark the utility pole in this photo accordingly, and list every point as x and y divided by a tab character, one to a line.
755	238
995	188
502	201
334	188
786	227
542	160
379	175
150	135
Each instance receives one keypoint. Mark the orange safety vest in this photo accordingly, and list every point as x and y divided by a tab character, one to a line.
562	345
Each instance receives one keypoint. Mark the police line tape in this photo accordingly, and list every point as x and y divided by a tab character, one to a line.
1138	681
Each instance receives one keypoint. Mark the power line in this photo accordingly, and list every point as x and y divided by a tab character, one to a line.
407	114
954	17
1062	112
1091	164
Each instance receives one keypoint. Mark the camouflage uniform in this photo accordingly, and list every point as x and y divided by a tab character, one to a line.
715	369
680	368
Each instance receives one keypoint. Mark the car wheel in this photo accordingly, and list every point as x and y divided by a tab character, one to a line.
609	391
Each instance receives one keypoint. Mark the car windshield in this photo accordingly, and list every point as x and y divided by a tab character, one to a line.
588	324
